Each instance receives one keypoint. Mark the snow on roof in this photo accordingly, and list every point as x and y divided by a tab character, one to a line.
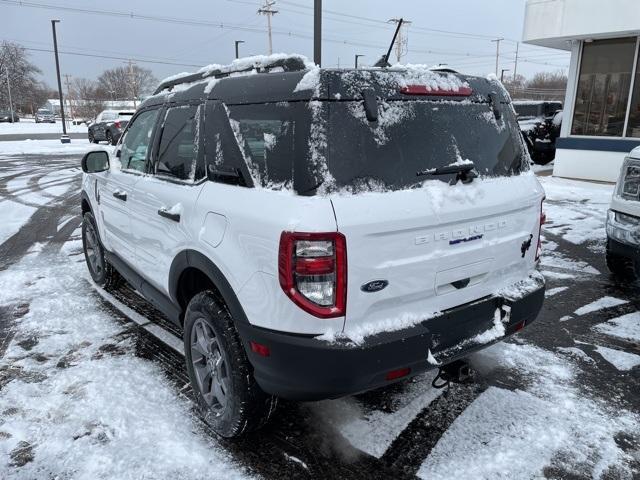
246	63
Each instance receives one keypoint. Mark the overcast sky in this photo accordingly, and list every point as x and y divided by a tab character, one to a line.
457	33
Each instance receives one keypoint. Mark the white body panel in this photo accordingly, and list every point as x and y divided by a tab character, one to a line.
404	238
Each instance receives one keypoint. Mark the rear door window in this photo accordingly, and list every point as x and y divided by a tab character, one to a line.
179	154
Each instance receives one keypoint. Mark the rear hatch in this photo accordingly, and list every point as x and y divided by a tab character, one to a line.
418	245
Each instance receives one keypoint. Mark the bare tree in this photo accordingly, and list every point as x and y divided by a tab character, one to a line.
89	98
126	83
543	86
27	92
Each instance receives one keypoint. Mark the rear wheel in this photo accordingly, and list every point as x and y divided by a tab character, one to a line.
100	269
623	268
228	396
92	139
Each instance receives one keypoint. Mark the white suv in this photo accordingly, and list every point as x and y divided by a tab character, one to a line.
623	221
319	232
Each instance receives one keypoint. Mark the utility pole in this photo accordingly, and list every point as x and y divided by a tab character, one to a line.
132	82
356	63
64	138
6	71
68	83
238	42
497	40
402	41
269	12
317	32
515	66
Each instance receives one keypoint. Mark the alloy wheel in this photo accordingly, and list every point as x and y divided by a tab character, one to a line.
210	366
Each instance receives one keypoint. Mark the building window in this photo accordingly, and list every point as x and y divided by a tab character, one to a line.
603	87
633	130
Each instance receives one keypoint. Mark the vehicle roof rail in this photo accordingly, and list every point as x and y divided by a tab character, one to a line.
288	64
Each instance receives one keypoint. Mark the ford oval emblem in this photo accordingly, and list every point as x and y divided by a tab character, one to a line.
374	286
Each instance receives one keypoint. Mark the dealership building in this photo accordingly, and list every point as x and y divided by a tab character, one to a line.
601	119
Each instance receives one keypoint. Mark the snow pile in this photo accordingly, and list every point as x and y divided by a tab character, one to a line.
28	126
604	302
310	81
519	434
626	327
524	287
79	398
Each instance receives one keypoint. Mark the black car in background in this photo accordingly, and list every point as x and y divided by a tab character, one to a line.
540	123
9	116
109	125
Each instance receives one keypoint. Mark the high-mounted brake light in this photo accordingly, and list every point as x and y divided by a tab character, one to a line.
312	269
117	123
543	220
438	92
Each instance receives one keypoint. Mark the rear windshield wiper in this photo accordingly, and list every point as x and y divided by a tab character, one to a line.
464	172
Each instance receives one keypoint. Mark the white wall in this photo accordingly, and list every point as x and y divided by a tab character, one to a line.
552	22
588	164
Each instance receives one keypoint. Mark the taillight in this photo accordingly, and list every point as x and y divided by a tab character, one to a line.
425	90
117	123
313	272
543	219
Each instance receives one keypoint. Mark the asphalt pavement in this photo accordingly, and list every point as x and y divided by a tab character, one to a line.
319	449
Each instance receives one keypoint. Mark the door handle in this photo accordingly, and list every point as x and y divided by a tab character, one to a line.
120	195
163	212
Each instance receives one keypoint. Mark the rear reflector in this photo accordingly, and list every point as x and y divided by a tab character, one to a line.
260	349
439	92
395	374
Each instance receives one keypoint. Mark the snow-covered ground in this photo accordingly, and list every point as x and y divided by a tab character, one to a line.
45	147
28	125
78	400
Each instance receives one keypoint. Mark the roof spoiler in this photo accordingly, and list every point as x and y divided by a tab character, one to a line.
289	64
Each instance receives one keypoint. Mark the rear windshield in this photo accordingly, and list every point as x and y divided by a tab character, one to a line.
45	112
321	147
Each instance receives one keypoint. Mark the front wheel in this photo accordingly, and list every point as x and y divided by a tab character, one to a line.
228	396
100	269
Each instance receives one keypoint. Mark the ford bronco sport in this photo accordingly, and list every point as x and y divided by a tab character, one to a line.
319	232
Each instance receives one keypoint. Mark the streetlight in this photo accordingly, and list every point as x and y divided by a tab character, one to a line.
358	56
238	42
64	138
502	74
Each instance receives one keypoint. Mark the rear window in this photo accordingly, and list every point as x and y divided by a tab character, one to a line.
320	147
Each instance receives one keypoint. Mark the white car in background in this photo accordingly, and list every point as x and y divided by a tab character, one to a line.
623	221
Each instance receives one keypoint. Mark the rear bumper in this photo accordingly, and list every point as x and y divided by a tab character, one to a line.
306	368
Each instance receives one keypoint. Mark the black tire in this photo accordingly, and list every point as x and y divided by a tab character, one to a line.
222	365
623	268
110	138
92	139
100	269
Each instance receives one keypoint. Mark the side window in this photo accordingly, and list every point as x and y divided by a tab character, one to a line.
178	151
137	140
266	136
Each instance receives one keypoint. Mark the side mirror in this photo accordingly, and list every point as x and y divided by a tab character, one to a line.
95	162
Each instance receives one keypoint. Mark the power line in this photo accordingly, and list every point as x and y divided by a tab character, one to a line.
79	54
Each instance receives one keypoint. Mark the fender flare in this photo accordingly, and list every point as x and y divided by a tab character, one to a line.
85	196
195	259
